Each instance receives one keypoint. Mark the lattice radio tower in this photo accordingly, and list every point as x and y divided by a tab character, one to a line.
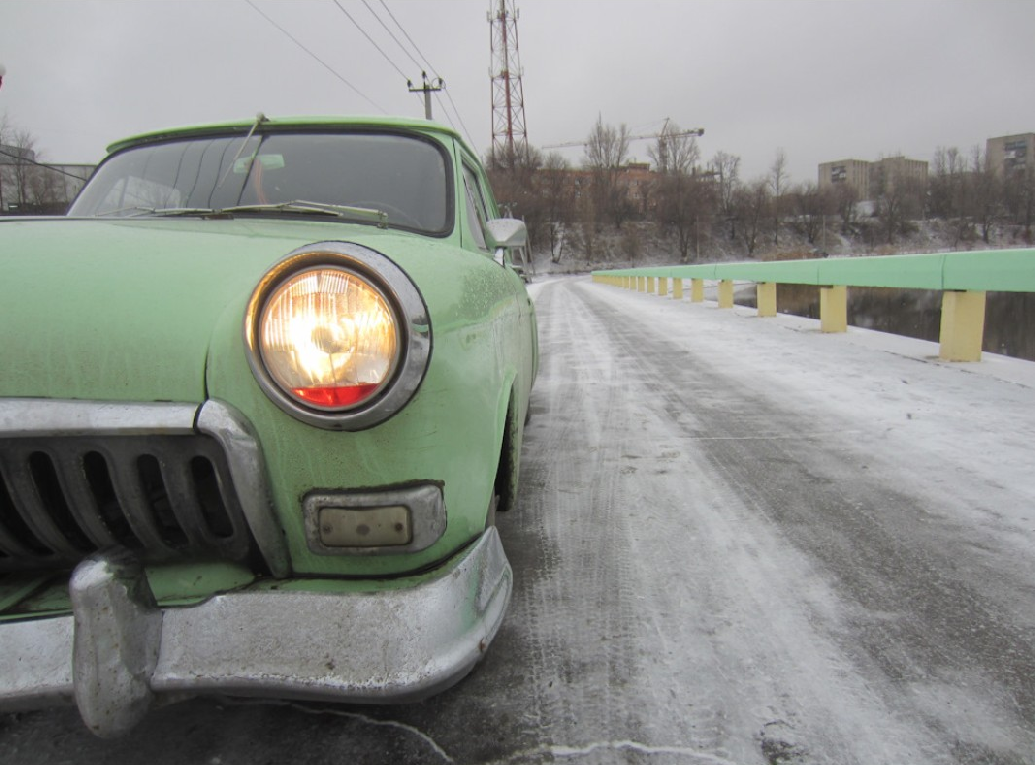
509	138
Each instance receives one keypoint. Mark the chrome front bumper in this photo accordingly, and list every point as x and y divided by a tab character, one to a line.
120	653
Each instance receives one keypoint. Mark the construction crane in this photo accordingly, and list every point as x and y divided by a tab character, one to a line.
693	132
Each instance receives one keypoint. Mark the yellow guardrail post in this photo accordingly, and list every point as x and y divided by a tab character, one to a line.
726	293
677	289
963	326
697	290
662	286
766	299
650	285
833	309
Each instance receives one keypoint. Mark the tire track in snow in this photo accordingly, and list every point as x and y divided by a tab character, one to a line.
578	599
912	628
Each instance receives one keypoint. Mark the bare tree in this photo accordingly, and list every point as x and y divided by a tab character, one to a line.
28	185
17	164
5	160
950	190
987	193
513	178
889	205
675	152
939	197
554	187
846	197
778	178
726	170
1019	196
752	204
607	150
811	208
681	196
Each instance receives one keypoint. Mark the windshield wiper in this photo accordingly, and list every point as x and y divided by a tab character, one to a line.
365	214
362	214
140	211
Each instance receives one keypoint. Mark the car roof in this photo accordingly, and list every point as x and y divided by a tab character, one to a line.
243	126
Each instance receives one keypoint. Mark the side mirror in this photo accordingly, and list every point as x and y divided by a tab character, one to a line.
506	233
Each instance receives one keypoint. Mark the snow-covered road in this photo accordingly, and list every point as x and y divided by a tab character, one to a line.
755	540
739	541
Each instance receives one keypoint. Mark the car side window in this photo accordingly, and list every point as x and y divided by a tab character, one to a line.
477	214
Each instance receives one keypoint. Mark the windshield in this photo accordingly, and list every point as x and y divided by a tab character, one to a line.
404	177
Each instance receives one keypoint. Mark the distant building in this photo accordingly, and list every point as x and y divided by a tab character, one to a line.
898	171
851	173
1009	154
865	178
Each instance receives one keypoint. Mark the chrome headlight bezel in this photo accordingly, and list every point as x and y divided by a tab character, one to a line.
413	325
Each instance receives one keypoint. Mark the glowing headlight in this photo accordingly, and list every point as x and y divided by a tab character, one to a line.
338	336
328	338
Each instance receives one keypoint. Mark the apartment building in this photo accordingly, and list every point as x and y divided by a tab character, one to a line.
867	179
1009	154
898	171
853	173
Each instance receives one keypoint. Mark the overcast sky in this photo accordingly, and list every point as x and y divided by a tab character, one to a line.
823	79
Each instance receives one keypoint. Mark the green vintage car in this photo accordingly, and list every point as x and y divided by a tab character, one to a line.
263	392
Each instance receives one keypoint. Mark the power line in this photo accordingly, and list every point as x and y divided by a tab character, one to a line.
425	90
406	34
425	60
322	63
44	165
395	39
370	39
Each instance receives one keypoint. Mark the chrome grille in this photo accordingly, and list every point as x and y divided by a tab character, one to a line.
167	497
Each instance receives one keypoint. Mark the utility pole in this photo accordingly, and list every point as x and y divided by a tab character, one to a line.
429	87
509	137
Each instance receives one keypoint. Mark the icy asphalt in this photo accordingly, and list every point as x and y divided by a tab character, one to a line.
739	541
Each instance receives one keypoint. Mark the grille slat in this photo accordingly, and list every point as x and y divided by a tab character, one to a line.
13	533
82	504
135	505
168	497
183	502
30	508
97	473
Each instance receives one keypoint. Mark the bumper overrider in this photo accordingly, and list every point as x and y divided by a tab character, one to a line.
119	653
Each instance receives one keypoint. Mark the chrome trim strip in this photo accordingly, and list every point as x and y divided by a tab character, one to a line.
24	417
248	470
367	647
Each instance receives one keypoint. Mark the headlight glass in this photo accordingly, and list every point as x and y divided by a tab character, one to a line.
329	338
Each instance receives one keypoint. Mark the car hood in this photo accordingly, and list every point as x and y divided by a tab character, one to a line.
126	310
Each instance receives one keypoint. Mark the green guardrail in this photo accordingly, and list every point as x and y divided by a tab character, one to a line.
962	277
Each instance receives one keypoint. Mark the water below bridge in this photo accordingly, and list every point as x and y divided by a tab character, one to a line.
1009	316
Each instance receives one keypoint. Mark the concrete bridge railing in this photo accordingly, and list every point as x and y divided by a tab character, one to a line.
964	278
